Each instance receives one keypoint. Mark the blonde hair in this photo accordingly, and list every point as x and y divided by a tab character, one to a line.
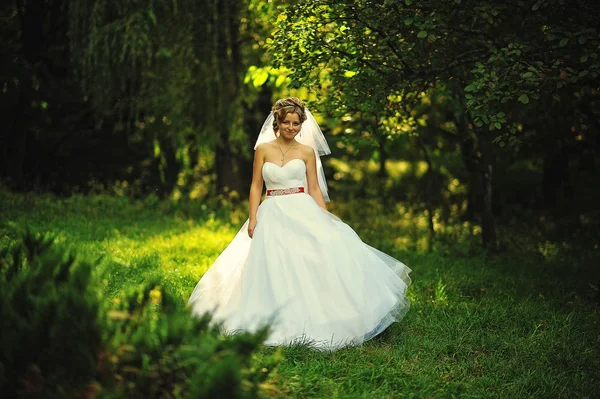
286	106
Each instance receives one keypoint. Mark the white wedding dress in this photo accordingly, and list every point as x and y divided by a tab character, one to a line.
305	272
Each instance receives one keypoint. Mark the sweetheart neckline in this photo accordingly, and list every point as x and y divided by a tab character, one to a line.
285	164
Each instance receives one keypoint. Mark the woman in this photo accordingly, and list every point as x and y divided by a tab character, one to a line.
293	264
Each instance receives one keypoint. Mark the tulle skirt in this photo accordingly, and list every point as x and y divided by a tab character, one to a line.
308	275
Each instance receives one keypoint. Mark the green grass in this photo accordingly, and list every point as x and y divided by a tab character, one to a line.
518	324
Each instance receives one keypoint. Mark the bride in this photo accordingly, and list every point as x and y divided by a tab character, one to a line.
294	265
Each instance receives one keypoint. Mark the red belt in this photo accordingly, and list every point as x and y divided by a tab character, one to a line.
285	191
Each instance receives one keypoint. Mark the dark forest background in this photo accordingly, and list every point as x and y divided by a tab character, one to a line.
485	111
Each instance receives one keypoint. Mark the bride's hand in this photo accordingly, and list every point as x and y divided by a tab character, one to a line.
251	227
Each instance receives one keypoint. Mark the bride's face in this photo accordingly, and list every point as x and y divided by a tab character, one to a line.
290	126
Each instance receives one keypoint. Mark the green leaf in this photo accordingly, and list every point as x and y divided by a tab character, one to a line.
280	80
469	96
583	73
164	52
260	77
583	58
582	39
498	125
536	6
563	42
470	88
524	98
152	16
408	2
349	74
422	34
408	21
478	123
527	75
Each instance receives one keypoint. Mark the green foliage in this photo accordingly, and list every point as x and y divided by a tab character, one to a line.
156	349
500	55
51	327
474	72
149	94
61	337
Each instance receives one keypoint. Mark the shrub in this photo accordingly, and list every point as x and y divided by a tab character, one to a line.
50	330
60	337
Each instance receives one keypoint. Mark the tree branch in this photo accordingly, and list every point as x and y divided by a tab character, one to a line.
459	60
384	36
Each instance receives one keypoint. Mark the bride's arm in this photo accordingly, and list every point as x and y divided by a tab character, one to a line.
311	178
256	187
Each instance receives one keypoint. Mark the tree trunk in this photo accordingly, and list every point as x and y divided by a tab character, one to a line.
428	192
469	157
228	175
254	115
228	65
556	176
488	223
16	133
171	169
383	156
32	16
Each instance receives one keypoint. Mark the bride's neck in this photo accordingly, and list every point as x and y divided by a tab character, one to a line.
282	140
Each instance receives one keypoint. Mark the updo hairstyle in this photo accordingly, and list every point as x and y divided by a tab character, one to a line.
286	106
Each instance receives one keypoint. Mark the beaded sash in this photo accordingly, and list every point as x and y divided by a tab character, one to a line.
285	191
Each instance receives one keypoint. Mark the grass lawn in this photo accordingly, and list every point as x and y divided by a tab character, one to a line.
518	324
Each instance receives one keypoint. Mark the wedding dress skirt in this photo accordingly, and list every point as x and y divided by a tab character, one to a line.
305	272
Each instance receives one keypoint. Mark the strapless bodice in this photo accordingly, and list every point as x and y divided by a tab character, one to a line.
291	174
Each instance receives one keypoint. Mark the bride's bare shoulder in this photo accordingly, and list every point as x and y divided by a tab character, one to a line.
266	146
307	151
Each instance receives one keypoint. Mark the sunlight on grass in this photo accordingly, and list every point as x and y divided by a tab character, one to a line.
180	258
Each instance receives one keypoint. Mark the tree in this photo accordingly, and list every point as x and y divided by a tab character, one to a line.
178	65
136	92
494	56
